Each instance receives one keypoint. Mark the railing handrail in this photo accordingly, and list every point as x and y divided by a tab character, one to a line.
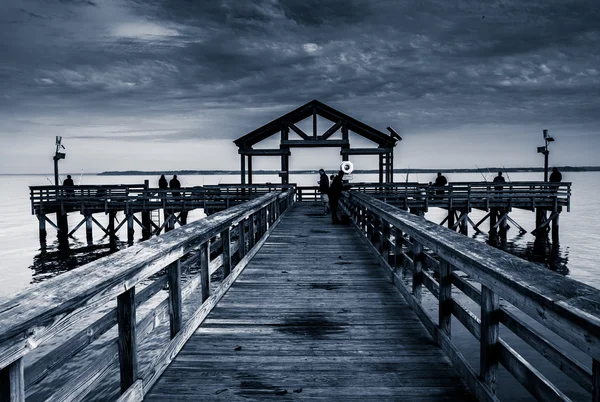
512	278
39	309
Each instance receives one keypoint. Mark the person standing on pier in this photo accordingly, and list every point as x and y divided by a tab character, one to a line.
440	181
162	182
324	189
499	179
68	182
555	176
335	192
174	183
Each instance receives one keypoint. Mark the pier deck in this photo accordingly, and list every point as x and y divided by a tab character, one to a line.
311	317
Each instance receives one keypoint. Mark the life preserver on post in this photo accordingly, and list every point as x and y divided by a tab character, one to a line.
347	167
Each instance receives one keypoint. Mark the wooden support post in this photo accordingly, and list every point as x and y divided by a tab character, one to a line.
62	223
417	279
183	215
555	230
489	351
370	226
242	238
243	169
12	382
147	225
130	228
377	239
385	240
380	168
88	228
493	219
127	339
445	297
42	221
503	229
451	220
226	241
345	138
205	270
112	235
595	380
175	309
251	231
249	169
464	223
398	249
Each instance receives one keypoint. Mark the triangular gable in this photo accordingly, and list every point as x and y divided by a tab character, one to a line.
323	110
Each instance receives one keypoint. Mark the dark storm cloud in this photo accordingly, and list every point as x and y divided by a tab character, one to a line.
424	64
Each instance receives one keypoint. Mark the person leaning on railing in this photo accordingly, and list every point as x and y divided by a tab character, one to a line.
555	177
68	182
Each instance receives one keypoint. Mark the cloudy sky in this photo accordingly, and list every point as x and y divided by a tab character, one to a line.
168	84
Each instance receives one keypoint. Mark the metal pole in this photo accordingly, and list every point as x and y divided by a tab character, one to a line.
546	162
55	171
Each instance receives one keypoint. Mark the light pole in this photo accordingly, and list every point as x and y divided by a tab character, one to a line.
57	156
544	150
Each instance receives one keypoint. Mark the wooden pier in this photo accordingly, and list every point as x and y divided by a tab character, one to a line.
311	317
267	300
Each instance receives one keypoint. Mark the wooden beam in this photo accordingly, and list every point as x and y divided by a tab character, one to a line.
365	151
264	152
331	130
297	130
175	306
315	143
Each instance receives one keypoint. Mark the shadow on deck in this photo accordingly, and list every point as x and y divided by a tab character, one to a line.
311	317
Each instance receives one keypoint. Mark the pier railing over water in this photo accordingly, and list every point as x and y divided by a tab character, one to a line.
457	195
416	251
134	277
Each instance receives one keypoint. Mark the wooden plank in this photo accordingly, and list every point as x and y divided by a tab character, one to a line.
128	360
528	376
365	151
264	152
175	297
297	130
331	130
204	270
314	143
12	382
417	279
226	239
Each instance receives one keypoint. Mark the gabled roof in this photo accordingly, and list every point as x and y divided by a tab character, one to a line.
322	110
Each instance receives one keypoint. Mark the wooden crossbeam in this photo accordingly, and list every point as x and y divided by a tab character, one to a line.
459	220
521	230
99	225
120	224
77	227
500	220
297	130
482	220
315	143
365	151
140	223
546	222
473	225
264	152
51	223
331	130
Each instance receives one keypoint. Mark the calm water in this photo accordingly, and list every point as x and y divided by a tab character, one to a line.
577	256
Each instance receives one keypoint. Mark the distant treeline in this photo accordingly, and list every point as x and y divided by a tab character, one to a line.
358	171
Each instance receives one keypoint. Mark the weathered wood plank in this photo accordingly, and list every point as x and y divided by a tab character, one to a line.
175	297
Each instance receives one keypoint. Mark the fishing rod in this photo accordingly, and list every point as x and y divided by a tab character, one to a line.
479	170
49	180
80	176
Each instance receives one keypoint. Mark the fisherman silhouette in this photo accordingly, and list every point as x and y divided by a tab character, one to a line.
335	192
440	181
324	189
68	182
174	183
162	182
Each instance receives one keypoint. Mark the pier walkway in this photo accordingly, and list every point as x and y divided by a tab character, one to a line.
312	316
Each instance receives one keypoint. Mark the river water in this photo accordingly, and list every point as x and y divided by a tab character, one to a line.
577	256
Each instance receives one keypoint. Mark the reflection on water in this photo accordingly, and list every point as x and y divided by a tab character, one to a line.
64	255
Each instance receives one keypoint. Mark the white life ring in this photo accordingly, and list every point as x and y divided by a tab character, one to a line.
347	167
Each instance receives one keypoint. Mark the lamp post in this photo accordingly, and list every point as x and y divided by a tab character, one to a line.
57	156
544	150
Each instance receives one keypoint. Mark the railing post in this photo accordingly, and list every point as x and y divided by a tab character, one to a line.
399	242
369	224
175	311
489	354
251	233
242	238
385	240
205	270
226	241
595	381
12	382
377	238
417	279
445	298
127	339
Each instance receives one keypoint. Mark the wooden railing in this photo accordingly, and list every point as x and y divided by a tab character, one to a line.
416	251
91	300
109	197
